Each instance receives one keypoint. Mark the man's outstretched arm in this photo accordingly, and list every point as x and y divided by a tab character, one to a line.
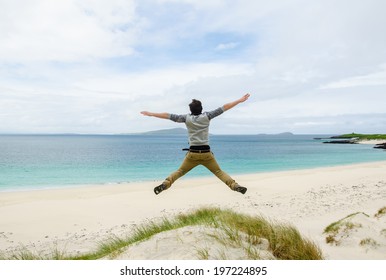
230	105
157	115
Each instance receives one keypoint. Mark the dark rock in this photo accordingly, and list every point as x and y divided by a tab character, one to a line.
347	141
380	146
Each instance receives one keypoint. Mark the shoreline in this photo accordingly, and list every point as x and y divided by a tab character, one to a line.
76	219
22	189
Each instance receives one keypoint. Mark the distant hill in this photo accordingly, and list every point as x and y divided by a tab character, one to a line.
171	131
285	134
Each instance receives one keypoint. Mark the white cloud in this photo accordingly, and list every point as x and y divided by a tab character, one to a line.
44	30
372	79
158	81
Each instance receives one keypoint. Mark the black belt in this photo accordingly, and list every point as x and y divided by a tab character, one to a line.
199	151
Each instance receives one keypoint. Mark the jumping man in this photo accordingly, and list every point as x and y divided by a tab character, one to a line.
199	153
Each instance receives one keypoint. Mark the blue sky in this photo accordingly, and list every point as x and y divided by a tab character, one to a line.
73	66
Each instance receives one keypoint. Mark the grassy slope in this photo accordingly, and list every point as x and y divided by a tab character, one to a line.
364	136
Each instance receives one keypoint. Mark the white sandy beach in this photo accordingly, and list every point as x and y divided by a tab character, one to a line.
371	142
76	219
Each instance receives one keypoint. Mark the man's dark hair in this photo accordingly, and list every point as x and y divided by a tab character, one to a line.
195	107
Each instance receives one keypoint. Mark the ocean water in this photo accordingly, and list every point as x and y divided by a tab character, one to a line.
50	161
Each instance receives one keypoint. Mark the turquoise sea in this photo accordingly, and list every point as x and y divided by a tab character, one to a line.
50	161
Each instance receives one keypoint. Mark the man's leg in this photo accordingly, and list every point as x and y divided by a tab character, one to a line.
188	164
210	162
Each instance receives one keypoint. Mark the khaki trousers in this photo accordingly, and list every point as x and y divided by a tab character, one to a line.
192	160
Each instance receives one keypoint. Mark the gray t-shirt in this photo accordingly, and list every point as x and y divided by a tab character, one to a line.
198	126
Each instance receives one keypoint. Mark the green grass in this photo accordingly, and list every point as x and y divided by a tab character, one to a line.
285	241
364	136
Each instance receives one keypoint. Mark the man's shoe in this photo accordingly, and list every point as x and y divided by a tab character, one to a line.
159	189
240	189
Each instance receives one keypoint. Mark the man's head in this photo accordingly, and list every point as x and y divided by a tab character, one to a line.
195	107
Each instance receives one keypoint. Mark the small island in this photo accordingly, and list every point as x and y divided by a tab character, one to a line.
379	140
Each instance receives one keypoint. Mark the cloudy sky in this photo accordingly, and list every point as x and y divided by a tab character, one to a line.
90	66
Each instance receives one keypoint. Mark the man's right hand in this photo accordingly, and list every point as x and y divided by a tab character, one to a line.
244	98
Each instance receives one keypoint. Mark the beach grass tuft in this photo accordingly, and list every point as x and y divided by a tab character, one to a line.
381	212
335	227
24	253
341	226
368	242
